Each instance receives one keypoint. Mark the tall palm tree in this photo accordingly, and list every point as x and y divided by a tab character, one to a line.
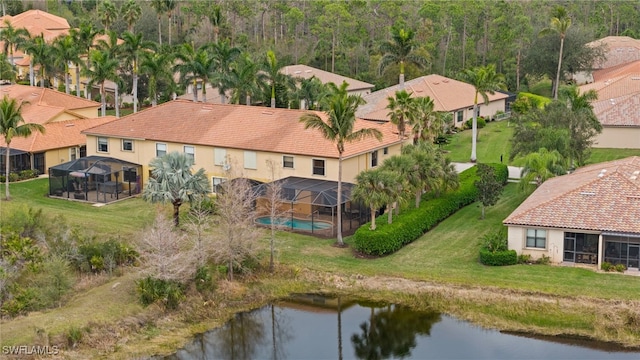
560	23
156	65
12	37
159	7
426	124
541	166
66	52
84	36
108	13
223	56
272	76
194	66
401	110
215	18
11	125
486	81
7	72
400	50
339	129
169	6
243	79
173	181
131	12
425	168
132	48
102	68
39	55
375	189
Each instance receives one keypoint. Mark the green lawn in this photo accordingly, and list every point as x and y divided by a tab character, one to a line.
493	141
599	155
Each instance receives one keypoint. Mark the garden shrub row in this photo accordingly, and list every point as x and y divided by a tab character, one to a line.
498	258
414	222
19	176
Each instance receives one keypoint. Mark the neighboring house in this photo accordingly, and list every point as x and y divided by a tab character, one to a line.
587	217
618	105
448	95
48	108
617	51
239	137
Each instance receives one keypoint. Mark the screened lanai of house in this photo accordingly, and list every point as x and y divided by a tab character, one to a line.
97	179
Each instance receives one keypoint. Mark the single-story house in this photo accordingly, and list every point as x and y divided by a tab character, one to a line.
448	95
616	50
589	217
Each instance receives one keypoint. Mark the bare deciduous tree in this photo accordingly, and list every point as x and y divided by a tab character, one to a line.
199	225
168	254
271	205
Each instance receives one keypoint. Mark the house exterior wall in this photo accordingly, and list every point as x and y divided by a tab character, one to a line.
554	249
55	157
486	111
618	137
145	150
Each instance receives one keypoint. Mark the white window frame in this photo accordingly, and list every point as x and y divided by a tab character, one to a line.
158	150
219	156
250	160
324	167
73	153
106	144
130	141
536	237
191	154
216	182
284	162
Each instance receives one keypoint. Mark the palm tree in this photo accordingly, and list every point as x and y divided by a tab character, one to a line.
195	66
485	80
399	50
541	166
108	13
339	128
311	92
375	189
39	54
426	124
7	72
156	65
404	166
215	18
425	168
12	37
102	68
560	23
172	181
159	7
401	110
65	52
84	37
271	75
243	79
131	12
223	56
169	5
12	124
132	48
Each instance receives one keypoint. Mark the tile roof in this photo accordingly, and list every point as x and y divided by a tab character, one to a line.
631	68
238	126
618	50
43	104
59	134
37	18
600	197
621	111
447	94
307	72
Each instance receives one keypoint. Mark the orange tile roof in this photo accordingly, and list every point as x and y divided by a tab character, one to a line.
43	104
447	94
59	134
306	72
618	50
36	18
621	111
601	197
238	126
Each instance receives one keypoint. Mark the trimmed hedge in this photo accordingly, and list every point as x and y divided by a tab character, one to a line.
414	222
498	258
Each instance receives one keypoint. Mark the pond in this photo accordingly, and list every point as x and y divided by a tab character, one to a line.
312	327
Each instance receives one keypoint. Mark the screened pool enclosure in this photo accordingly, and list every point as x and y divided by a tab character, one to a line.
95	179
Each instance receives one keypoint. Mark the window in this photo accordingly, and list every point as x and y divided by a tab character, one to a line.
385	151
219	156
190	151
103	144
250	161
287	161
318	167
127	145
460	116
536	238
161	149
73	154
216	184
374	158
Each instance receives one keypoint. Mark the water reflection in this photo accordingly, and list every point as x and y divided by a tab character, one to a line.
315	327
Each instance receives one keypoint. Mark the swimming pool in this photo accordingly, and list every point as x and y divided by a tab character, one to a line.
296	224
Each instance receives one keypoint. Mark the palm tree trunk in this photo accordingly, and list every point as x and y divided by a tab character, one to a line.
103	101
418	196
67	83
6	173
373	219
195	90
115	101
78	80
176	212
556	85
248	100
31	77
474	130
135	92
389	213
340	242
159	30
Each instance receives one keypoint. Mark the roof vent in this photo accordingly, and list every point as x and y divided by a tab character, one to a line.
297	72
34	94
602	172
308	71
635	78
612	101
435	83
633	177
69	125
588	193
267	112
207	108
445	81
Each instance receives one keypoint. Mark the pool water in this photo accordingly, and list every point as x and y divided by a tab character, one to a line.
296	224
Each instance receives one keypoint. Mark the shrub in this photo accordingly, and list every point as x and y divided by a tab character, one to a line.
74	335
480	120
495	241
106	256
544	260
204	279
27	174
150	290
414	222
620	268
498	258
524	259
24	300
13	177
606	266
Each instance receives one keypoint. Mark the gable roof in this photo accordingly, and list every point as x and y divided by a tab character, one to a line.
618	50
59	134
307	72
447	94
600	197
43	104
36	18
240	127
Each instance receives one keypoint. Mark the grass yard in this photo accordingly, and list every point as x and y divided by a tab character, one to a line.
493	141
599	155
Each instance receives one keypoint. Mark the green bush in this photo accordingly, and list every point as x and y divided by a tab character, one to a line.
498	258
74	335
544	260
495	241
151	290
27	174
204	279
103	256
606	266
24	299
524	259
480	120
413	222
620	268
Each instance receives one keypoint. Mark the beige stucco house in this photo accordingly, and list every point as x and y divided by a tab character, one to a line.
241	138
449	95
587	217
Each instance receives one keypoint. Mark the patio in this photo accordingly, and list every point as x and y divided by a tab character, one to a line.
95	179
